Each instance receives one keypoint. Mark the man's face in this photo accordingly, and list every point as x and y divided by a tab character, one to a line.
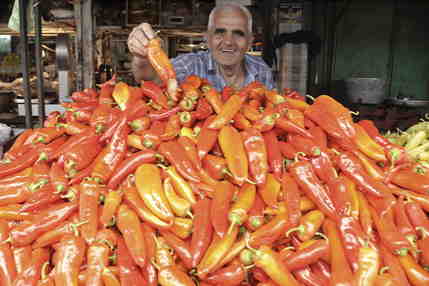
228	38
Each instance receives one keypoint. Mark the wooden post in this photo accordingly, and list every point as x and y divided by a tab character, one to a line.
85	45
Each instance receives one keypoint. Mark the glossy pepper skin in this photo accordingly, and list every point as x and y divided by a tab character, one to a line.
7	264
113	154
26	233
31	274
149	185
71	254
409	179
369	263
129	225
232	146
220	207
176	155
238	212
304	175
133	199
270	262
216	251
129	272
341	272
180	247
415	273
89	194
256	150
274	155
306	256
228	276
203	231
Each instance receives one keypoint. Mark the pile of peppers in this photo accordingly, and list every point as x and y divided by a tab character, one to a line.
232	187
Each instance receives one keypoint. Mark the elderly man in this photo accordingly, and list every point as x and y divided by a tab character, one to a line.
229	37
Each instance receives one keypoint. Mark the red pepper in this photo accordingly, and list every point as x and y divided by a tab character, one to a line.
129	272
403	223
292	199
423	200
51	237
176	155
256	214
25	161
31	274
76	179
289	126
203	230
396	154
88	208
352	168
43	197
22	257
80	156
71	255
7	263
306	256
417	216
287	150
307	180
180	247
353	238
163	114
203	110
85	96
172	129
275	159
220	207
129	225
409	179
230	108
149	271
415	273
389	234
207	138
129	165
26	233
213	97
15	191
46	134
231	275
341	272
71	142
113	154
18	145
191	151
324	168
308	277
154	92
255	147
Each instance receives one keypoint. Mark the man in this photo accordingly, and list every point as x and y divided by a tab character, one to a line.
229	37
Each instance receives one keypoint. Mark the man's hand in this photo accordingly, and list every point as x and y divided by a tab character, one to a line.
139	38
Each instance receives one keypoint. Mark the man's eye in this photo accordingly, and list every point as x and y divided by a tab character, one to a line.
219	32
238	33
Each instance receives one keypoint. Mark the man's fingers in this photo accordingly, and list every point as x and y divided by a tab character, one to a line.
148	31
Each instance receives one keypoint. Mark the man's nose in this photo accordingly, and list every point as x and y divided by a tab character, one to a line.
228	39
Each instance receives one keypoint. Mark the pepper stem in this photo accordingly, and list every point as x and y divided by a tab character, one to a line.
299	228
322	235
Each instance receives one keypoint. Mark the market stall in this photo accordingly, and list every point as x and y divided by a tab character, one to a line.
179	183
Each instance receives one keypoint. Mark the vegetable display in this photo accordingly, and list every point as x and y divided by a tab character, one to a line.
182	184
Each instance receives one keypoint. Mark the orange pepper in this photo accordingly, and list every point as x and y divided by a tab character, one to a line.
269	192
232	146
367	145
149	185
